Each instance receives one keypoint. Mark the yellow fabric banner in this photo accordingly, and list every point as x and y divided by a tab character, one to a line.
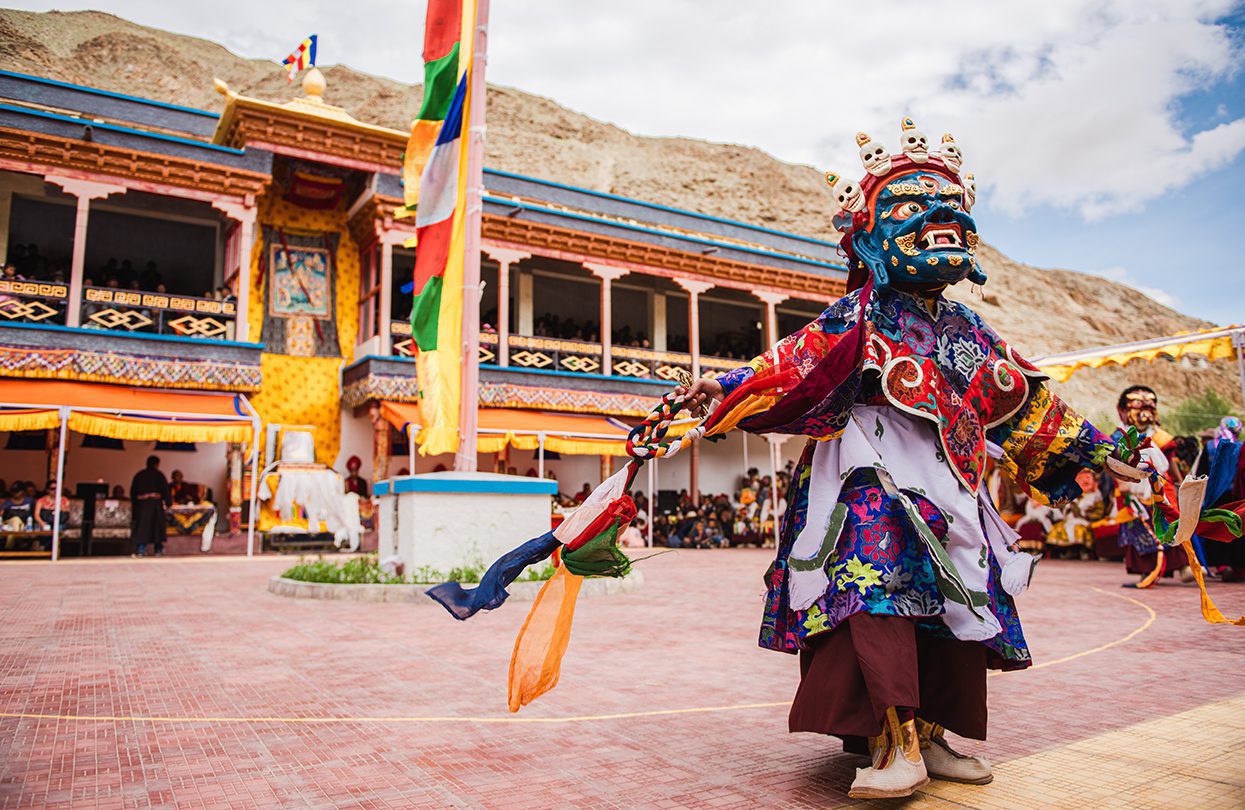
141	429
28	420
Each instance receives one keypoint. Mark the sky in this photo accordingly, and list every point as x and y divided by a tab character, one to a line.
1106	136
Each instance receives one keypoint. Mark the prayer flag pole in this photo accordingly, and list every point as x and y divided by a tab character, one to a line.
468	423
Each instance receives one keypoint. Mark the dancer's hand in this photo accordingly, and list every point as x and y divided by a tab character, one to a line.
700	394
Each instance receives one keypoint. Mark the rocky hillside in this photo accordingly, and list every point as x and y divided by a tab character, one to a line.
1040	311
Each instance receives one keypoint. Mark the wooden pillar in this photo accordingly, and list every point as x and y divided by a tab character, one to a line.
607	274
694	289
526	315
246	284
51	445
693	486
505	260
233	464
380	444
503	314
85	191
77	264
386	297
659	322
386	241
771	300
244	213
6	208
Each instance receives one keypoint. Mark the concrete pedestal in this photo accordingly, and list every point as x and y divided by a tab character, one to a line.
445	520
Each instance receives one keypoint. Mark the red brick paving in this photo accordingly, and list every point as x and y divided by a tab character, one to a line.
204	639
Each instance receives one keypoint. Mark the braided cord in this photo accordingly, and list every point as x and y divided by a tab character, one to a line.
647	440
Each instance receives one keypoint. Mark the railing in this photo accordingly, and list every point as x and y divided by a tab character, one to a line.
157	313
550	354
577	356
33	302
400	338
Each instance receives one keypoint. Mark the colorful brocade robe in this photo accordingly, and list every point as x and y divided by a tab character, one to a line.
940	366
950	369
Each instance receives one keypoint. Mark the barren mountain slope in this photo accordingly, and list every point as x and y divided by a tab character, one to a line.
1039	311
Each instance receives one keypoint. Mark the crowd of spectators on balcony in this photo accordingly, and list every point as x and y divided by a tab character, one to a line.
26	263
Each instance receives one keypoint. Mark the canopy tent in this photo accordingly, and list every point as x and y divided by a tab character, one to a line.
1214	344
573	434
122	412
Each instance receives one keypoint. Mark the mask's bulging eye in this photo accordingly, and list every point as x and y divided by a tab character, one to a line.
904	210
954	204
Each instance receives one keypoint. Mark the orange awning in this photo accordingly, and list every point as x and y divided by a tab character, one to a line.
574	434
141	414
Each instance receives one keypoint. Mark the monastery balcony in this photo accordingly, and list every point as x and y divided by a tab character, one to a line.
373	378
126	337
579	357
541	373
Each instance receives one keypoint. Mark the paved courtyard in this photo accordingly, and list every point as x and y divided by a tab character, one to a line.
162	683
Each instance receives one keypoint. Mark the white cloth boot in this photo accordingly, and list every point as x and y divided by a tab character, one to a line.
944	762
897	769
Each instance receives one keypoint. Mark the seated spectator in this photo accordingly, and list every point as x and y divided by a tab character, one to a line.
714	535
697	536
583	494
682	529
118	493
354	482
19	508
182	490
45	508
633	535
149	279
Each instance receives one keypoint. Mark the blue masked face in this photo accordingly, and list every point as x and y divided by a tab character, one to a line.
921	236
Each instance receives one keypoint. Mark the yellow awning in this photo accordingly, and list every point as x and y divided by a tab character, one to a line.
1213	344
122	412
142	429
27	419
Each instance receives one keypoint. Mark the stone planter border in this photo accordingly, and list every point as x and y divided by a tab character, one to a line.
519	591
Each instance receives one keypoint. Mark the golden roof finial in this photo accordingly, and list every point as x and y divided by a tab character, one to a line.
314	84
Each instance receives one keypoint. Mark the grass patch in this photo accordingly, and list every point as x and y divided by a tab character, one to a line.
366	570
358	571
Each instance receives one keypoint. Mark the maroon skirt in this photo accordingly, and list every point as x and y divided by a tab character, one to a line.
850	676
1174	558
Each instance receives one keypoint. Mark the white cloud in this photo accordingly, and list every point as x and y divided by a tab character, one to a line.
1121	275
1065	102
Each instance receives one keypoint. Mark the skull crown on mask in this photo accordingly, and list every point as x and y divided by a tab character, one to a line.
907	221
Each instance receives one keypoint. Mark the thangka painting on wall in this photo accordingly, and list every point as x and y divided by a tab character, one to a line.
300	312
300	282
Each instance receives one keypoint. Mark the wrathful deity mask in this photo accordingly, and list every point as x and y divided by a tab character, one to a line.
921	233
1139	407
907	220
